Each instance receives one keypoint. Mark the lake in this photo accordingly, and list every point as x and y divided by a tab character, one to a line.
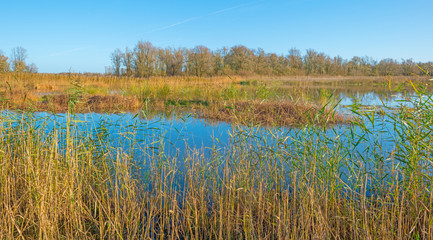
183	134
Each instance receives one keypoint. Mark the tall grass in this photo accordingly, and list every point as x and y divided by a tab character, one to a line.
23	89
307	183
211	98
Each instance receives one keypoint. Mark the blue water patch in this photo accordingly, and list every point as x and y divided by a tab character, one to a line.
144	138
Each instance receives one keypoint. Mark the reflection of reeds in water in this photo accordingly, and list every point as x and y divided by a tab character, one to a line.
301	186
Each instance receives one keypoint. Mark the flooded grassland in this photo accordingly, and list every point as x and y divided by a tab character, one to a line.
229	157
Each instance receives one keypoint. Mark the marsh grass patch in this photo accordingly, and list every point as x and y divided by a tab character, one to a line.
271	113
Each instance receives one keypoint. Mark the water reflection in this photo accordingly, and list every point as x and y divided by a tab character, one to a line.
374	99
147	137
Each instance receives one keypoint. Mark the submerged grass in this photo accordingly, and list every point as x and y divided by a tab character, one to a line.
309	183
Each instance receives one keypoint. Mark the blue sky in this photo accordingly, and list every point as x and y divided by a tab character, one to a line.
80	35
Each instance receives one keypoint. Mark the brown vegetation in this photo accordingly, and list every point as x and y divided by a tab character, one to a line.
272	113
90	103
146	60
62	185
263	100
281	189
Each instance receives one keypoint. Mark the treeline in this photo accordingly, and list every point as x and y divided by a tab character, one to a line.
146	60
17	62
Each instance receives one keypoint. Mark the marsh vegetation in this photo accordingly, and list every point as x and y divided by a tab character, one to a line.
86	157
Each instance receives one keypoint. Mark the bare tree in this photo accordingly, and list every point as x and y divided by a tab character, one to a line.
146	60
116	61
261	63
218	62
32	68
315	62
295	61
179	60
18	59
4	65
200	59
160	66
128	59
408	67
172	61
240	59
338	65
388	66
145	56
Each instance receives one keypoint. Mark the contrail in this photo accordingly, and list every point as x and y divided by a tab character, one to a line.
175	24
230	8
199	17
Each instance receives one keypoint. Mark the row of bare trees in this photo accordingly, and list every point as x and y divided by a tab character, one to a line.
146	60
17	62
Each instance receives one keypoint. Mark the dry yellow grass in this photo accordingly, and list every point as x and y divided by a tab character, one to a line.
273	113
63	184
207	97
76	189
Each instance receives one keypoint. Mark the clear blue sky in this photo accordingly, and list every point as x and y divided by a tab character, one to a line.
80	35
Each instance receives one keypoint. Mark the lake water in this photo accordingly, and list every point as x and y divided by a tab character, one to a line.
177	136
347	148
